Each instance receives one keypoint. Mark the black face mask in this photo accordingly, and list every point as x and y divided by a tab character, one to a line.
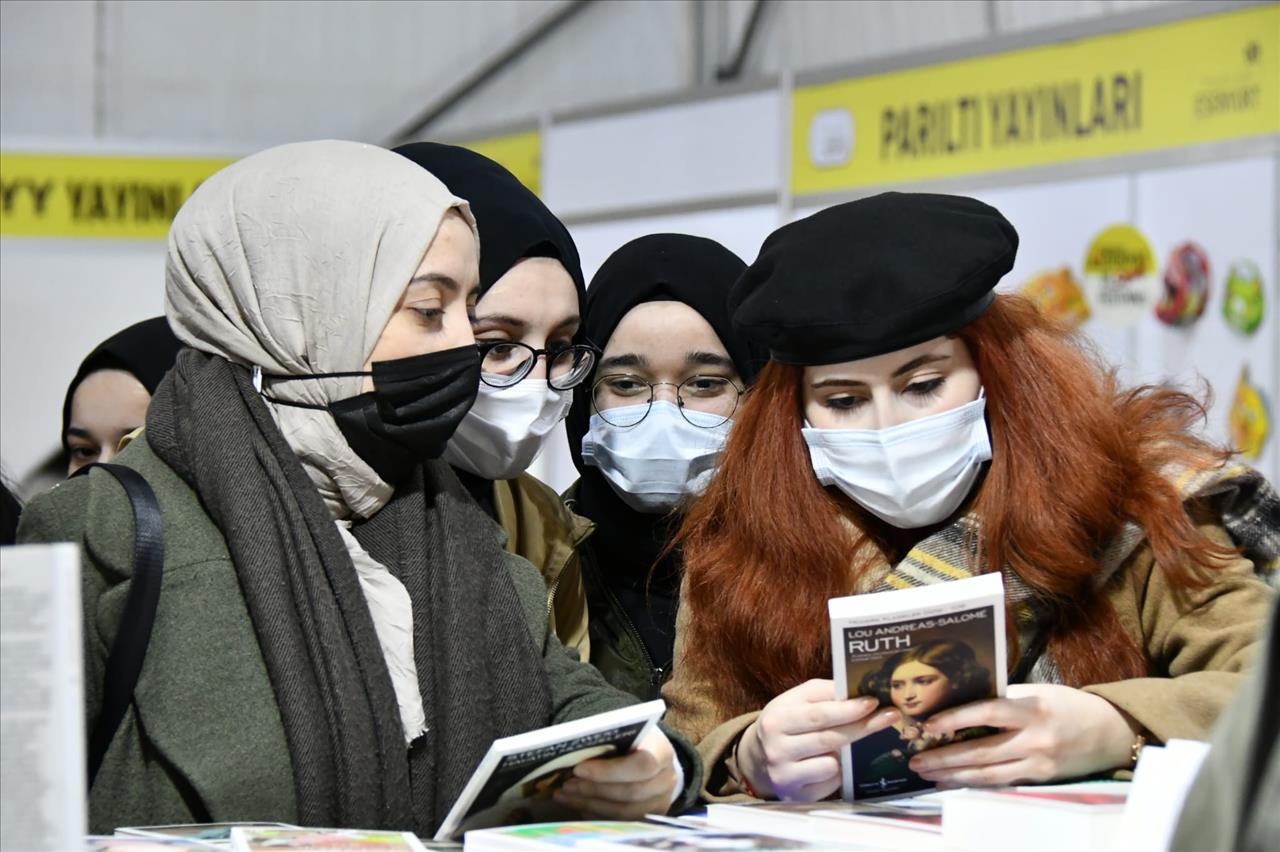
411	413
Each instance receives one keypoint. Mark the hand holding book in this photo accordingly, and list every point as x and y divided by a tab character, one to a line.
627	786
789	752
1046	732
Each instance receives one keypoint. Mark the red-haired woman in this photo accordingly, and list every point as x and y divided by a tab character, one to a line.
913	427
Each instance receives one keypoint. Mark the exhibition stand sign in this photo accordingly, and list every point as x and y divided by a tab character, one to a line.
1208	79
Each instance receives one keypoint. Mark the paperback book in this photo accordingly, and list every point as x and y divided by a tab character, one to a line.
618	836
331	839
518	777
921	650
1065	817
907	823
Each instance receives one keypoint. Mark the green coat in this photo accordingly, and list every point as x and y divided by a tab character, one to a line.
203	739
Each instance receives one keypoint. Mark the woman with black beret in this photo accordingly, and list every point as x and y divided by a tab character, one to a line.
528	323
646	433
913	427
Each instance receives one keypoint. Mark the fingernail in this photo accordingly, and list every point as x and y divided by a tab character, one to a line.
867	703
888	717
568	788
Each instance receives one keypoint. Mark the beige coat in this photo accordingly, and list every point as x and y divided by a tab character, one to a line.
541	529
1199	644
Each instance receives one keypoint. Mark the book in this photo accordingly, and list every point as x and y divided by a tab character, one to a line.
921	650
1064	817
216	834
42	799
606	836
1161	781
519	775
120	843
259	839
574	834
907	824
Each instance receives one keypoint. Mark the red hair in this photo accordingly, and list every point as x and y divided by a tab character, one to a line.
1073	457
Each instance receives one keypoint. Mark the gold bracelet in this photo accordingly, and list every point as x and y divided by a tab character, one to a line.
1134	750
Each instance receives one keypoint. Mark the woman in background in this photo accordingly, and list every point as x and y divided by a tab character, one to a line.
646	433
108	398
914	427
528	324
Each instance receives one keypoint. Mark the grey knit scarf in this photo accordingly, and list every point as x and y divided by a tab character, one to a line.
481	677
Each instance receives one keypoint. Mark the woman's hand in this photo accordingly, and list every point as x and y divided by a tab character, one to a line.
626	787
1047	732
790	751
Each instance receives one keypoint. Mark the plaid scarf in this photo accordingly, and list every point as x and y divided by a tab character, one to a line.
1243	500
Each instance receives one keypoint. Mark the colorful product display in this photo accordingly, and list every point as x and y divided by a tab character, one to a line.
1120	276
1244	303
1250	419
1058	295
1186	286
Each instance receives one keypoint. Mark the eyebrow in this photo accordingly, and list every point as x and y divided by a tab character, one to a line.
503	319
628	360
707	359
916	363
77	432
913	364
516	322
446	281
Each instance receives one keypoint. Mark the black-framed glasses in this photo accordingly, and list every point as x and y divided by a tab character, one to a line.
623	399
505	362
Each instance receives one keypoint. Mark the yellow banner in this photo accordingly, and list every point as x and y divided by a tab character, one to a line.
58	195
1202	80
518	153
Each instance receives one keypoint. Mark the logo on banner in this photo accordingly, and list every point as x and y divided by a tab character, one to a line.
1120	276
831	138
1250	419
1058	296
1186	286
1244	303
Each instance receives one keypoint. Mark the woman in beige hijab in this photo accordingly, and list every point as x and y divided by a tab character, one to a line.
340	635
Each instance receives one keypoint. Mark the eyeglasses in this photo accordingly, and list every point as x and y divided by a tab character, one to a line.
504	363
618	398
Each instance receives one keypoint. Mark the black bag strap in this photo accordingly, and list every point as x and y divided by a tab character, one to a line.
129	648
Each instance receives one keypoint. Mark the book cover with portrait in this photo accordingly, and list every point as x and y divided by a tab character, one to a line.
921	650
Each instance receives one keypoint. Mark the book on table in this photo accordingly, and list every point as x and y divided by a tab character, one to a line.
261	839
606	836
921	650
1063	817
904	824
518	777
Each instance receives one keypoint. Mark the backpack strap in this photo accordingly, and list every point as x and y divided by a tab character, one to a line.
129	648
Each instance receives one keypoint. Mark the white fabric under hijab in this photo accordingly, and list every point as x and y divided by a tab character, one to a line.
308	287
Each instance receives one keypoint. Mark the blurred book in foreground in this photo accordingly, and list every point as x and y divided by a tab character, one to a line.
42	799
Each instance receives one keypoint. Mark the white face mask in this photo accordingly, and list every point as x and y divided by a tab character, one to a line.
506	428
655	464
910	475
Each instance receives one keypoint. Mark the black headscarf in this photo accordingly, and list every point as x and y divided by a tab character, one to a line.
660	267
145	350
513	222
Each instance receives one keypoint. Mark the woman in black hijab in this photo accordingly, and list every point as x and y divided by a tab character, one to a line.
528	324
646	432
109	395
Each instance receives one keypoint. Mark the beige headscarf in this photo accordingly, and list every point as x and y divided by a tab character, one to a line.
293	261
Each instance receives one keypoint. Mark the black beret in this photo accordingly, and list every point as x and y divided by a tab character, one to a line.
873	276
